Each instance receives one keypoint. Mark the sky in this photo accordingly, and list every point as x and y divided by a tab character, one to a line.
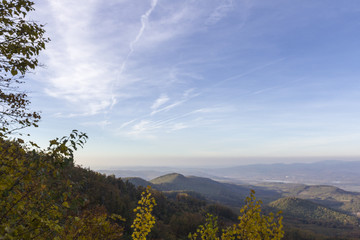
200	83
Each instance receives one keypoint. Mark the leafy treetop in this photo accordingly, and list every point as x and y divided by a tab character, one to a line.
21	41
253	225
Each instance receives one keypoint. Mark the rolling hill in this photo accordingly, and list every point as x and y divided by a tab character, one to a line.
225	193
138	181
329	196
312	212
214	191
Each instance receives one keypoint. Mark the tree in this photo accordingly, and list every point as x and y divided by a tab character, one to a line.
21	41
144	220
38	199
92	224
35	194
252	225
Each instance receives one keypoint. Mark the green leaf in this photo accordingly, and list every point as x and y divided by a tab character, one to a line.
66	204
14	71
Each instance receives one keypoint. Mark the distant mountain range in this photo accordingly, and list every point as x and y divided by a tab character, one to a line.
325	172
337	173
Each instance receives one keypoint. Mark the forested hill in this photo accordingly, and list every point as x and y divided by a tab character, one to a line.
175	217
315	221
225	193
312	212
330	196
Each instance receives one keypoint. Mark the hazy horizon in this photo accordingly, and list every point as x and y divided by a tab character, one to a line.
215	164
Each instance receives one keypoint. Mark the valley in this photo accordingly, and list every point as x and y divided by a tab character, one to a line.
311	205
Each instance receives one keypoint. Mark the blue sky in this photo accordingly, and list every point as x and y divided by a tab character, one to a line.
200	82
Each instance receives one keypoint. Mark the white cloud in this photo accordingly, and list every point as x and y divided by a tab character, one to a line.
214	110
220	12
178	126
96	59
187	95
168	107
78	73
127	123
150	129
144	21
142	126
101	124
84	67
160	101
142	130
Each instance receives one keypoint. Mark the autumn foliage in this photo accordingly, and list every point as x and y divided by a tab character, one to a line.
253	225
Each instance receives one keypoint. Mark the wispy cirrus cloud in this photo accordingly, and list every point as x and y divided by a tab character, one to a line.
101	124
179	126
142	130
168	107
78	73
187	95
158	107
84	73
144	21
150	127
97	60
220	12
160	101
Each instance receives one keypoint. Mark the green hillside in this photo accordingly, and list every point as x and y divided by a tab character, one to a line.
168	178
219	192
225	193
138	181
312	212
329	196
